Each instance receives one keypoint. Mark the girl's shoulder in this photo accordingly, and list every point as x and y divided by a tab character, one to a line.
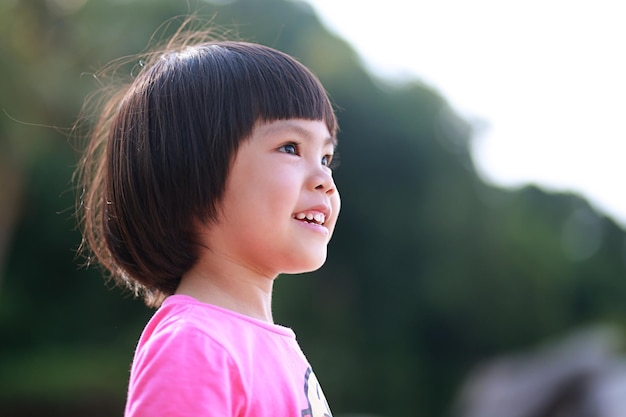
183	316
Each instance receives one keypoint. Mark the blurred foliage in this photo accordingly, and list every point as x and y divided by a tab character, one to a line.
430	270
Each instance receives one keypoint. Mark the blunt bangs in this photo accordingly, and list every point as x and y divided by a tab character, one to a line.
251	83
276	87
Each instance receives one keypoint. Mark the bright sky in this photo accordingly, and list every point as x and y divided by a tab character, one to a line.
547	76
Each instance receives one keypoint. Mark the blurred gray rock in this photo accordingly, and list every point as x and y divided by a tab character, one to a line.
582	375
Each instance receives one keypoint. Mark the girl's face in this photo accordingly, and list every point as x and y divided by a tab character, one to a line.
281	204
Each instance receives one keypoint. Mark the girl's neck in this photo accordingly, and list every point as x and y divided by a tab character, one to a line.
227	284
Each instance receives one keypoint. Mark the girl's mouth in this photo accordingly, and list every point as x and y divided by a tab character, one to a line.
315	217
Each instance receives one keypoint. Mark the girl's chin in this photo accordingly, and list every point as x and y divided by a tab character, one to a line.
312	265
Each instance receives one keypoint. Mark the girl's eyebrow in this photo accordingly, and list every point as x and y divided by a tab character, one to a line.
286	125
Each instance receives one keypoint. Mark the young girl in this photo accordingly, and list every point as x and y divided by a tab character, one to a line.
205	178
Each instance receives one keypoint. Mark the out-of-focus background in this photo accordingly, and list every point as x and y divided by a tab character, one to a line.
442	295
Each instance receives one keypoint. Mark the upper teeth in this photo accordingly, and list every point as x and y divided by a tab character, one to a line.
317	217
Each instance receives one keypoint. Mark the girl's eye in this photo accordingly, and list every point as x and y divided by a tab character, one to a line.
331	161
290	148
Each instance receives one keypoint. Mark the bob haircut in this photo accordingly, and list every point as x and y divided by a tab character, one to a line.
159	155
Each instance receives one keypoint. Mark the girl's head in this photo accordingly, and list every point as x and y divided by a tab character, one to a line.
160	154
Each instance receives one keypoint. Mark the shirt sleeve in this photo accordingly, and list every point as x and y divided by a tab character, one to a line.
182	372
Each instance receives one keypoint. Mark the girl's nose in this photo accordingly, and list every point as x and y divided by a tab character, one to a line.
323	181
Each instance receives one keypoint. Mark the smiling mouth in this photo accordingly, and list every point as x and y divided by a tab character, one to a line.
311	217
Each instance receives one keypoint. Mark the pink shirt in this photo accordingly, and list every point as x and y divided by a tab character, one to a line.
196	359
